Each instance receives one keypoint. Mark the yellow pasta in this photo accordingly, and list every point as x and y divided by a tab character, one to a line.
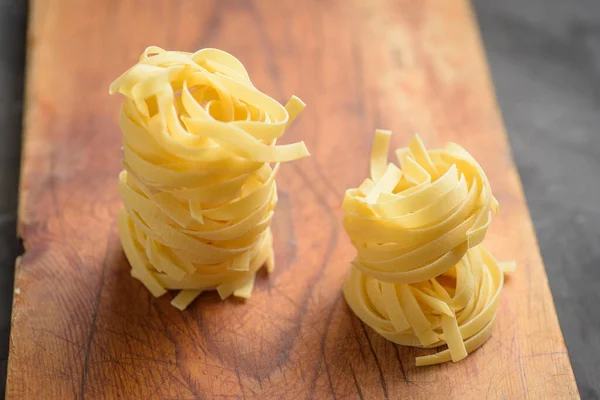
198	187
421	276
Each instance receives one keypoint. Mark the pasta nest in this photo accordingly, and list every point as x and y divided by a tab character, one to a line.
198	187
421	276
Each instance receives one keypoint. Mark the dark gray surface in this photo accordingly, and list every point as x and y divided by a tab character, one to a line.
12	54
545	61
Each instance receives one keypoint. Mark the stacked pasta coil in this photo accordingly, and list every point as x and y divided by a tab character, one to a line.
198	187
421	276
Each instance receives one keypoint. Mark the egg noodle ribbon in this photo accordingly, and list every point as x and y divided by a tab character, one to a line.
421	276
198	187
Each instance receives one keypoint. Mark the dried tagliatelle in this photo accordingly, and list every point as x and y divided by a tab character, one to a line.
421	276
197	187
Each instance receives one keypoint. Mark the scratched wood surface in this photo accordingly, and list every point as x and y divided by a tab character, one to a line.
82	327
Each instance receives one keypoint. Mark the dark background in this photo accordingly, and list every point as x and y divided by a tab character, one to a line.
545	61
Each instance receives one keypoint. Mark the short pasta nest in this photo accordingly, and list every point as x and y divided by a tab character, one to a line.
421	276
198	187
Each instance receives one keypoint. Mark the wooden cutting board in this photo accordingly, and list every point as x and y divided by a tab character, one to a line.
82	327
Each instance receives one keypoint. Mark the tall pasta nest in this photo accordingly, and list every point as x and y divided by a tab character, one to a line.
198	187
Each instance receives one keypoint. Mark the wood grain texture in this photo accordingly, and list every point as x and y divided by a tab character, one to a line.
82	327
